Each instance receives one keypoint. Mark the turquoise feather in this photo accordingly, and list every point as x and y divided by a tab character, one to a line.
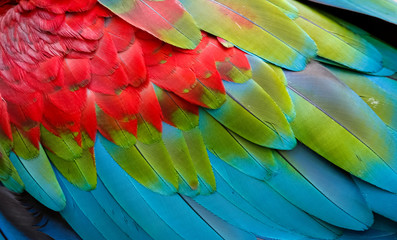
40	180
380	201
117	213
271	204
75	217
226	230
232	214
119	184
317	187
158	215
90	207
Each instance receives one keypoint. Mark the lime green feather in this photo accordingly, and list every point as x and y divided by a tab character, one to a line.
336	42
147	133
177	148
255	26
157	156
272	79
143	167
114	128
336	123
22	146
288	9
174	110
245	156
81	172
201	162
5	165
250	112
64	145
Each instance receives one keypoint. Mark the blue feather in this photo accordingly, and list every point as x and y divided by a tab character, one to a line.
117	213
227	231
230	206
78	221
320	189
380	201
40	180
157	214
92	210
272	204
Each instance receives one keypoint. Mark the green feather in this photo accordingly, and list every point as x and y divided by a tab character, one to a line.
201	162
22	146
255	27
168	21
336	123
382	103
81	172
251	113
288	9
174	110
64	145
14	182
157	175
336	42
177	148
272	79
249	158
147	133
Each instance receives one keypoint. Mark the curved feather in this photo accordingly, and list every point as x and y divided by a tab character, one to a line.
219	140
81	172
250	112
288	9
198	153
254	28
315	186
158	215
40	180
177	148
380	201
331	114
89	206
158	176
117	213
337	43
224	229
272	204
272	80
381	102
14	182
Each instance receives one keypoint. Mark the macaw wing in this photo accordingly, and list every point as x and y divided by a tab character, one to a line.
145	119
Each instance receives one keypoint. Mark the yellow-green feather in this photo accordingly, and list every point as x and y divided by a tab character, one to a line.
256	26
201	162
272	79
336	42
336	123
81	172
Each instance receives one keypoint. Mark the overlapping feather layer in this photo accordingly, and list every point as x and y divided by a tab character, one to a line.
184	118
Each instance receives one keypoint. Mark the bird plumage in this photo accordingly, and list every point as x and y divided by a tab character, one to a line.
197	119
